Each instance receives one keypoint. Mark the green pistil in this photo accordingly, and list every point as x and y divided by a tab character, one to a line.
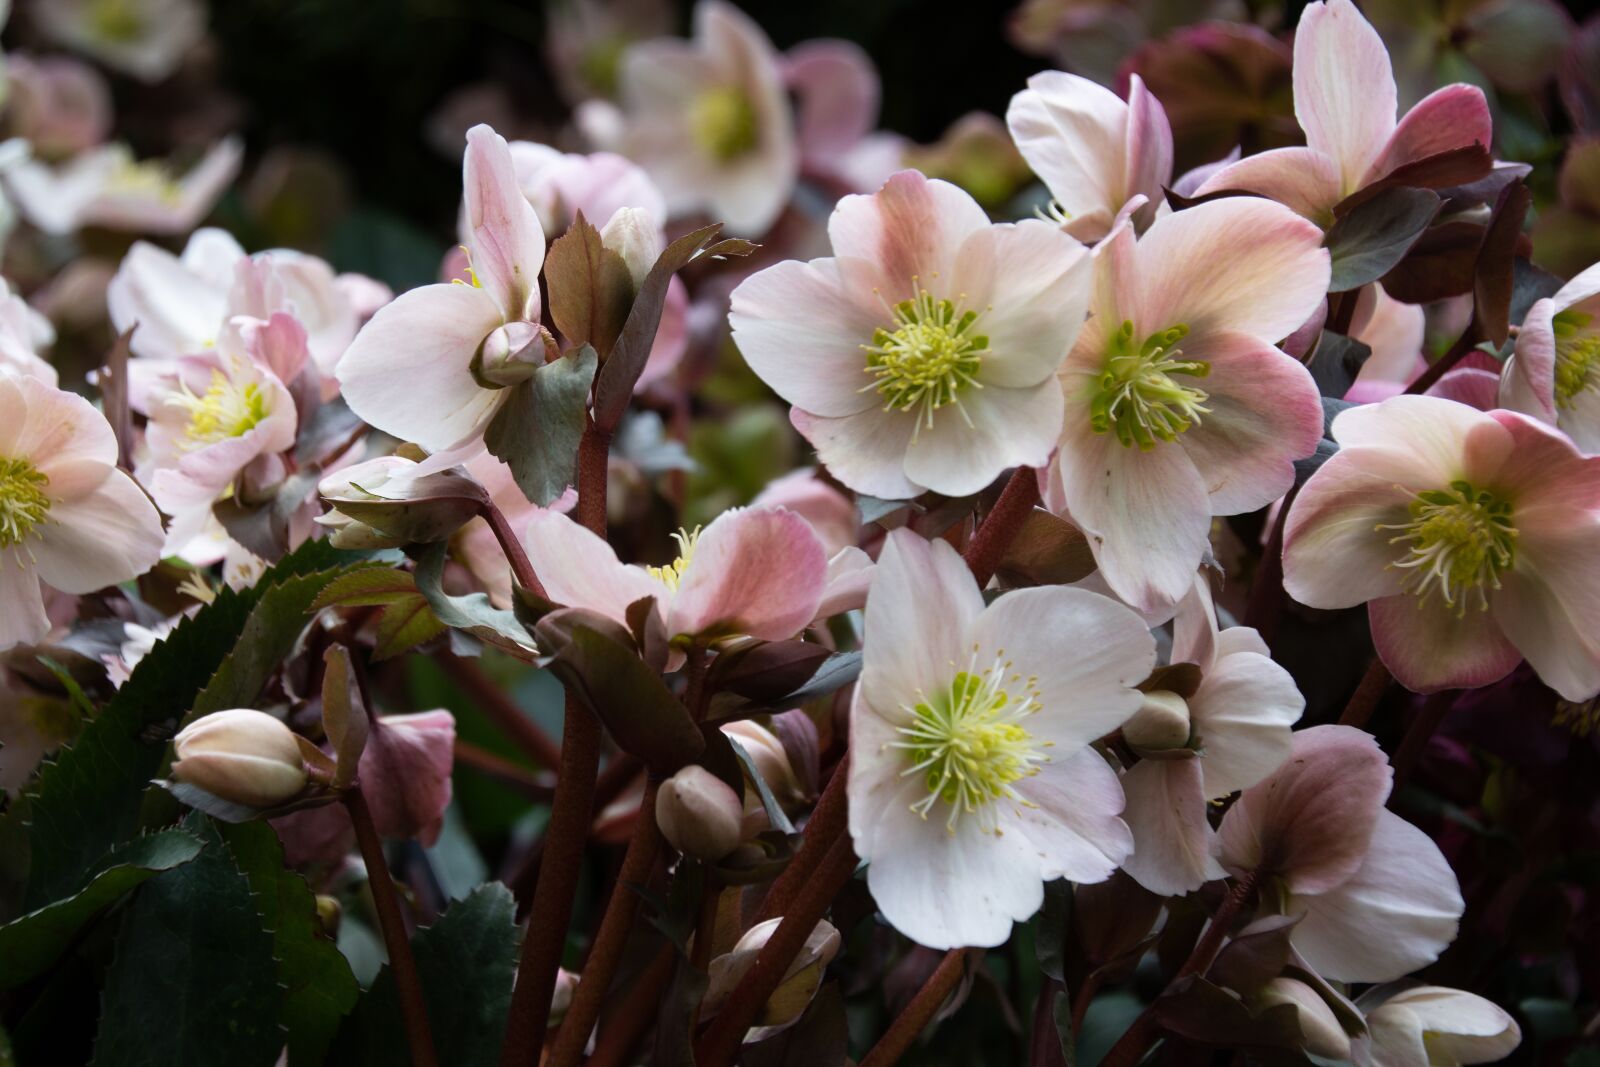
724	123
1142	394
930	356
1577	356
24	504
1459	541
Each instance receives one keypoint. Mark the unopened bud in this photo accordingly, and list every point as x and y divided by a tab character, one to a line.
561	998
243	756
699	815
384	503
800	982
632	234
767	753
513	352
329	914
1161	723
1318	1025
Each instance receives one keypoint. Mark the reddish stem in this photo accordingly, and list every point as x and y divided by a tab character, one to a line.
516	555
625	1026
1444	364
498	767
910	1022
1044	1045
988	546
828	822
502	710
1368	695
1417	736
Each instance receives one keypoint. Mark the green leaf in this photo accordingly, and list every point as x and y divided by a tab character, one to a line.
589	285
472	613
536	431
31	943
466	962
1336	361
1376	235
87	800
1055	919
193	982
318	987
775	812
406	620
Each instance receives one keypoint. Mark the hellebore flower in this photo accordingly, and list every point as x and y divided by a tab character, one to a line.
972	782
59	105
68	517
836	520
1395	332
23	331
1470	536
1345	100
1236	731
107	187
700	814
921	355
1554	372
422	368
800	981
389	501
1432	1026
145	38
756	572
560	184
1179	408
1092	150
1379	900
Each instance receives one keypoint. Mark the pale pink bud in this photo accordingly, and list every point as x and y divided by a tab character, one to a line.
514	351
632	234
561	998
243	756
1161	723
1318	1025
766	751
699	815
800	981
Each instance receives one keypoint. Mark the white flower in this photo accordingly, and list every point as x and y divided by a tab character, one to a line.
108	187
145	38
1432	1026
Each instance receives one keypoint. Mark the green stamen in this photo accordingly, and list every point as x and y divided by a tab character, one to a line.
928	358
724	123
1459	541
1139	397
1577	356
23	502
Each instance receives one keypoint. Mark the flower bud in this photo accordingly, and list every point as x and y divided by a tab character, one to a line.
766	751
1318	1025
633	234
561	998
330	913
698	814
243	756
383	503
800	982
1161	723
513	352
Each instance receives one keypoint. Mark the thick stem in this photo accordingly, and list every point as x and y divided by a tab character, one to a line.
620	773
722	1038
516	555
910	1022
611	939
628	1023
502	710
1415	741
1444	364
1368	695
594	452
828	821
1044	1043
988	546
1080	1003
413	1008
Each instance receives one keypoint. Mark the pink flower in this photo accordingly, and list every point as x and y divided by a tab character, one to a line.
58	105
972	782
1395	333
1092	150
414	370
475	547
920	356
107	187
836	91
836	521
1238	732
1344	97
1179	408
68	517
561	184
1554	373
23	331
1378	898
1470	536
757	572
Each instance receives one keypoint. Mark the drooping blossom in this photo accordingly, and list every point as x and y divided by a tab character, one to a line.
756	572
1412	1025
1237	732
1554	372
1378	898
69	518
416	368
23	332
1094	151
145	38
392	500
475	546
921	354
1179	408
107	187
972	782
708	119
1345	101
1470	536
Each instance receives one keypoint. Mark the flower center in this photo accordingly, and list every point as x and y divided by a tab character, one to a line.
227	409
116	20
724	122
928	358
23	501
1459	540
672	574
969	744
1577	356
1142	394
131	177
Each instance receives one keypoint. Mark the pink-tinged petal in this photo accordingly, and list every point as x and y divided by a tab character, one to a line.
1240	264
1549	605
1394	331
1581	421
52	427
22	615
1146	514
1173	842
831	513
405	773
1301	179
1242	713
109	536
1030	284
1475	388
1074	134
279	344
1393	916
1312	821
409	370
1194	626
865	451
176	311
1551	485
850	573
1149	152
802	327
580	570
1084	696
1432	646
754	571
1528	382
1456	116
837	90
1344	92
1009	428
912	228
1075	828
1434	430
672	338
921	603
1265	413
503	230
1189	182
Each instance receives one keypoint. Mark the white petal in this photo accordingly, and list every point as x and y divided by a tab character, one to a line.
106	537
921	604
1009	428
1173	847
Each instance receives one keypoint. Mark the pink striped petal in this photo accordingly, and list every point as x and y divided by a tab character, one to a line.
912	228
1344	91
754	571
504	234
1456	116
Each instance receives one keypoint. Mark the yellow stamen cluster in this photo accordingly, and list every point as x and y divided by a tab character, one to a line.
672	574
149	177
1577	357
24	504
1458	542
1143	393
928	358
724	123
226	409
115	20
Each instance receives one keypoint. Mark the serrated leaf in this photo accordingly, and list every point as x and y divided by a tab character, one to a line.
589	285
1373	237
318	987
193	982
466	962
472	613
31	943
536	431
